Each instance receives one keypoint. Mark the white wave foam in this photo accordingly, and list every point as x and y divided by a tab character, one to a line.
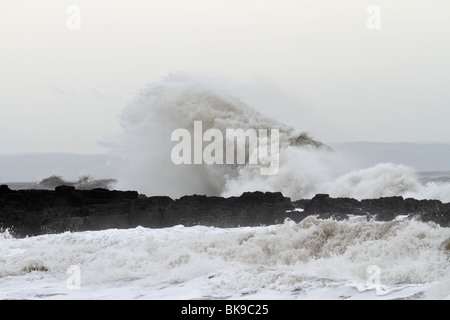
289	258
306	167
5	234
382	180
177	102
83	183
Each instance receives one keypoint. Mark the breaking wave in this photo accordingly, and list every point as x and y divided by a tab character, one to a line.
83	183
288	258
306	167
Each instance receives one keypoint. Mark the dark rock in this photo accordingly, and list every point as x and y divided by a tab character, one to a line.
271	197
338	208
34	212
301	203
382	209
65	189
4	189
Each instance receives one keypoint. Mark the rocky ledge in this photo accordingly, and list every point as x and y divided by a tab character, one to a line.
35	212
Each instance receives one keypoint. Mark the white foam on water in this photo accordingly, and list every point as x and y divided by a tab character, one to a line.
314	258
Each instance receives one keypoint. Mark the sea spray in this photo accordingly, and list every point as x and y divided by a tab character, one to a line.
83	183
291	259
306	166
178	102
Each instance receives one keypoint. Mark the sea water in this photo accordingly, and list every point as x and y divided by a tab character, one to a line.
313	259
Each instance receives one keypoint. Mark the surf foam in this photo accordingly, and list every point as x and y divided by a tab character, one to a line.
290	259
307	166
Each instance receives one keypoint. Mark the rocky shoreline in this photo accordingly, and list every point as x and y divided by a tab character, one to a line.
37	212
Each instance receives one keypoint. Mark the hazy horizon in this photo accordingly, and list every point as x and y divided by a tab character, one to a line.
314	65
325	142
33	167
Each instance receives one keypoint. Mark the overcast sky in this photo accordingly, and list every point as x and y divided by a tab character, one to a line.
62	89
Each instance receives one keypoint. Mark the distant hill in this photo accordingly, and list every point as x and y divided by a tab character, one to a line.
35	167
422	157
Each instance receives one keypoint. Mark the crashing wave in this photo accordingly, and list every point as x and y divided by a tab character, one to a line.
83	183
306	166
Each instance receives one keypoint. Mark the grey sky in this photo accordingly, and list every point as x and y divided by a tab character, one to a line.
63	90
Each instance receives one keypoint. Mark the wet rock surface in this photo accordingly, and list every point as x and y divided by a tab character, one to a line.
35	212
